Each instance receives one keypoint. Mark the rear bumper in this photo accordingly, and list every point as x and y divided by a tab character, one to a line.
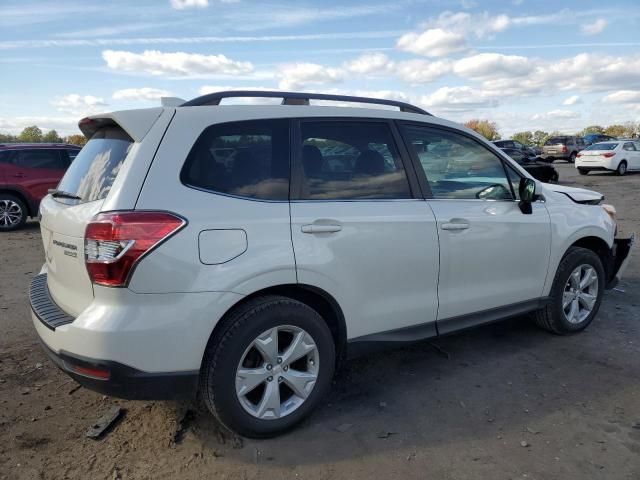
124	381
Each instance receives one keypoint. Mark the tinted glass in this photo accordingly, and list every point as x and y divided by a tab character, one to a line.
49	159
629	146
514	179
94	170
456	166
73	153
5	157
351	160
556	140
602	146
247	159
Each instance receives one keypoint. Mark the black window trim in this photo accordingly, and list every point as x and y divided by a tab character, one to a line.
297	170
422	176
230	195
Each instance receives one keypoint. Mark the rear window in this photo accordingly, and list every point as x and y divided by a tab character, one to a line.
557	140
246	159
602	146
96	166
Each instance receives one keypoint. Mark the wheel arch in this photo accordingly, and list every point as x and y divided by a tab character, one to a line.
18	193
600	247
314	297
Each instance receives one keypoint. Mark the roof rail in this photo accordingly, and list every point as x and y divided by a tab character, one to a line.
299	98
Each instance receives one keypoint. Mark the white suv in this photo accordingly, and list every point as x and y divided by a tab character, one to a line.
239	252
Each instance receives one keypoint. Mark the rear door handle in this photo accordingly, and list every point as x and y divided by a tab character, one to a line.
314	228
19	175
455	226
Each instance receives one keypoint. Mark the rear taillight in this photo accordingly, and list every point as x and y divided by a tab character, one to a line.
608	154
564	149
579	154
114	242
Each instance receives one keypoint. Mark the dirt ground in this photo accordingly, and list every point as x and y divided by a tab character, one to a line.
504	401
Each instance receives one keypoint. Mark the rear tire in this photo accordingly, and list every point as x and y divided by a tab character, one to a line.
622	168
583	171
240	355
13	212
559	315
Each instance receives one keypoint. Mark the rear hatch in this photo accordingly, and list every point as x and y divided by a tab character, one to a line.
66	213
555	146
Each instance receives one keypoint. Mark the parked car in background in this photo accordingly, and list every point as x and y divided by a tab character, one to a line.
592	138
618	156
27	172
515	145
324	232
543	171
563	147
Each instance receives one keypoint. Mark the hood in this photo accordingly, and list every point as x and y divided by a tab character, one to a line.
578	195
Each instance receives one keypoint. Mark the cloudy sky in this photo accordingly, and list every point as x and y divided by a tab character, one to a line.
526	64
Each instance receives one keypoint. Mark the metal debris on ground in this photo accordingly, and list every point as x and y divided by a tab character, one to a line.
440	350
105	422
385	434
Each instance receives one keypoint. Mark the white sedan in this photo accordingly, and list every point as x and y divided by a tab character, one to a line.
618	156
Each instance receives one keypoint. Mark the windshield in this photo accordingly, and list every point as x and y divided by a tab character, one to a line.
556	140
602	146
94	170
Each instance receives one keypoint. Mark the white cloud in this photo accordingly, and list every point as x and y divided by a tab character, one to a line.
572	100
434	42
458	99
298	75
594	28
79	104
422	71
623	96
144	93
174	63
493	65
63	125
182	4
556	114
369	63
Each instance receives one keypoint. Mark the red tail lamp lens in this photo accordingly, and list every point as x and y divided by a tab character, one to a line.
116	241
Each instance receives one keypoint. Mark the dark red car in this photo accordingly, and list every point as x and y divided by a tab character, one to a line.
27	172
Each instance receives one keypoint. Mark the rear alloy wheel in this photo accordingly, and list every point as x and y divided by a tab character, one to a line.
13	212
583	171
269	367
622	168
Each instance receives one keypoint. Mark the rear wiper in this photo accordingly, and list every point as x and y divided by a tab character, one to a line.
61	194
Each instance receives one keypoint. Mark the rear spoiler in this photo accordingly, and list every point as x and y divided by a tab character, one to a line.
135	122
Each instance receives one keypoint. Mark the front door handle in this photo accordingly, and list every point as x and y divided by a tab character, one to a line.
455	226
19	175
315	228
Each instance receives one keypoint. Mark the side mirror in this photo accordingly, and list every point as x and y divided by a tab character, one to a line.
527	190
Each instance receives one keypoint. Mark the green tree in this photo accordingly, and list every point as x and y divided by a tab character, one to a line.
51	137
30	134
7	138
592	129
76	140
486	128
525	138
539	137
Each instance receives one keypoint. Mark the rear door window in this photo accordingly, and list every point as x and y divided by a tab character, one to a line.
40	158
246	159
350	160
96	167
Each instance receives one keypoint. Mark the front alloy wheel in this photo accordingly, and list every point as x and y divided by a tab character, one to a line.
12	213
277	372
580	294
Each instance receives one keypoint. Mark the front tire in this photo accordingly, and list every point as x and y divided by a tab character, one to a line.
13	212
575	295
622	168
268	368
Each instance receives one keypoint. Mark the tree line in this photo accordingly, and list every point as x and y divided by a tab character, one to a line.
34	134
489	130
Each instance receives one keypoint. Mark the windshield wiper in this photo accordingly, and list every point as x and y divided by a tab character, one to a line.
61	194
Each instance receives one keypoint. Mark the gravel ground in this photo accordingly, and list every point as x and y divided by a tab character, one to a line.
502	401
